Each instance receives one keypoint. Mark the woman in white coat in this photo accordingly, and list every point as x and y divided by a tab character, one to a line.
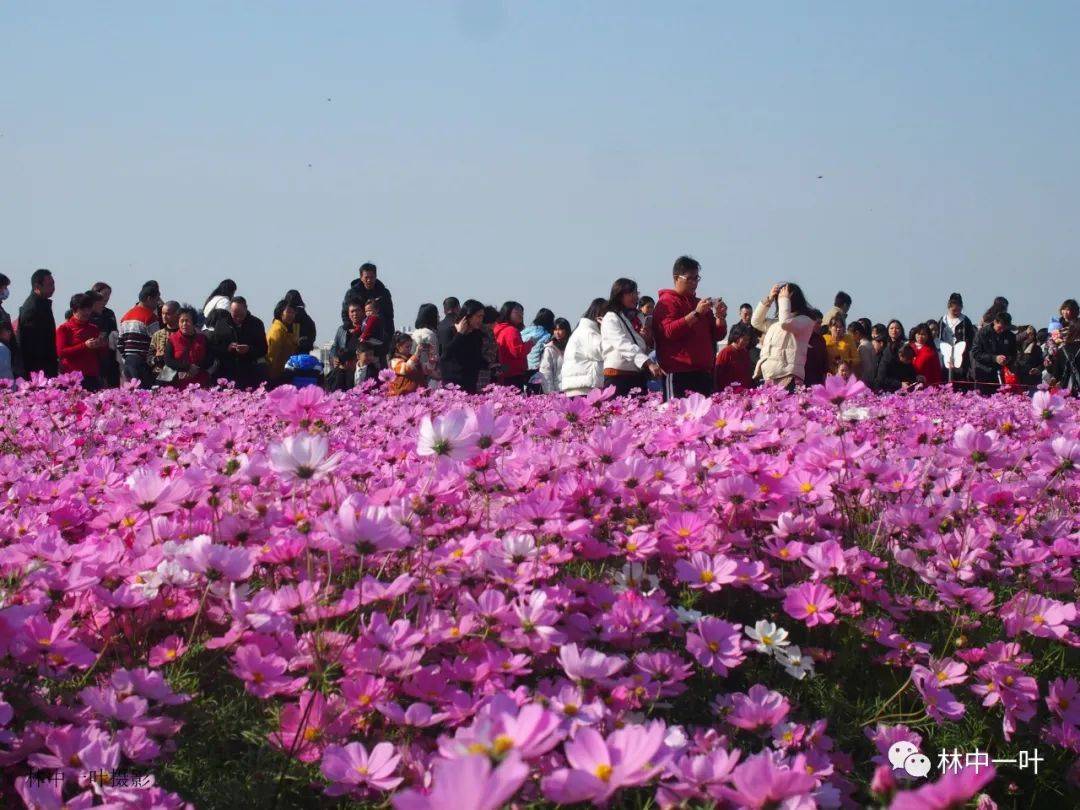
583	360
549	377
627	365
783	348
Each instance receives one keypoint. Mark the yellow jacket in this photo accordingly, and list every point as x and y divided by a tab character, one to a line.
843	350
282	342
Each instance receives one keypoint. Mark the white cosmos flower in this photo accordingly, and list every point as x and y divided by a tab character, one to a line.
446	435
633	577
767	636
687	616
303	456
518	547
797	665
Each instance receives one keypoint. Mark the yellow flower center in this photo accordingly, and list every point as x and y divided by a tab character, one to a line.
603	772
806	486
811	607
502	744
707	576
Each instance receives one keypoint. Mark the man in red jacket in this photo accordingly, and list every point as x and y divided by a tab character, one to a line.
79	342
687	329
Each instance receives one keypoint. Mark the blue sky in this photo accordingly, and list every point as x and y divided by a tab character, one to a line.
537	151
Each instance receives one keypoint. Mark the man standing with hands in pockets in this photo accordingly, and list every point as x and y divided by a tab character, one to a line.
686	329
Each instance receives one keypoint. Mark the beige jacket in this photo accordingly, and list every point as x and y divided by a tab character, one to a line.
783	348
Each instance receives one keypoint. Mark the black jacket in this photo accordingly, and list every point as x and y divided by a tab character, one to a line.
891	373
251	332
307	331
37	336
988	345
461	358
360	294
110	366
1029	366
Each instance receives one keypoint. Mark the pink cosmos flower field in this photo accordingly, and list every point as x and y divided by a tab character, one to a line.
226	599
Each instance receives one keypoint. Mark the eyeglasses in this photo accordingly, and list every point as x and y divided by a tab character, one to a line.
692	278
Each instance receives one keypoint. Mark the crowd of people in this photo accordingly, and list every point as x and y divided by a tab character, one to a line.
676	343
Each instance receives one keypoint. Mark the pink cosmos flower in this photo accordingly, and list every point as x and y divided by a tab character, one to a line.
630	756
760	708
501	727
303	456
952	790
264	675
762	782
167	651
350	767
836	390
1063	699
707	572
447	435
589	665
716	644
810	601
149	492
469	783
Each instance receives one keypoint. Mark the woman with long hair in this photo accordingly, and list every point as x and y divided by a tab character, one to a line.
543	325
583	359
627	366
462	354
549	376
926	361
892	372
425	336
513	351
217	303
787	337
282	342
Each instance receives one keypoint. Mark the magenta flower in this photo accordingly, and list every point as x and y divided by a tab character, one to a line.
303	456
836	390
633	755
707	572
761	782
447	435
716	644
350	767
760	708
501	727
1063	699
952	790
264	675
810	601
589	665
470	783
167	651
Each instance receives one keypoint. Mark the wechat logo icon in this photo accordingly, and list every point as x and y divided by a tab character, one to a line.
905	756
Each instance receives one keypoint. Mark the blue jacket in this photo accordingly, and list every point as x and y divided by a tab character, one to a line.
541	336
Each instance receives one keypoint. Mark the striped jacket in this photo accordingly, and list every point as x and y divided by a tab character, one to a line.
136	328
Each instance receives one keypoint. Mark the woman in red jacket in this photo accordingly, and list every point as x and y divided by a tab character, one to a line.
926	362
79	342
513	353
187	352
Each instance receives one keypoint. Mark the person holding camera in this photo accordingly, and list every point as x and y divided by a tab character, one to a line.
461	356
686	330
